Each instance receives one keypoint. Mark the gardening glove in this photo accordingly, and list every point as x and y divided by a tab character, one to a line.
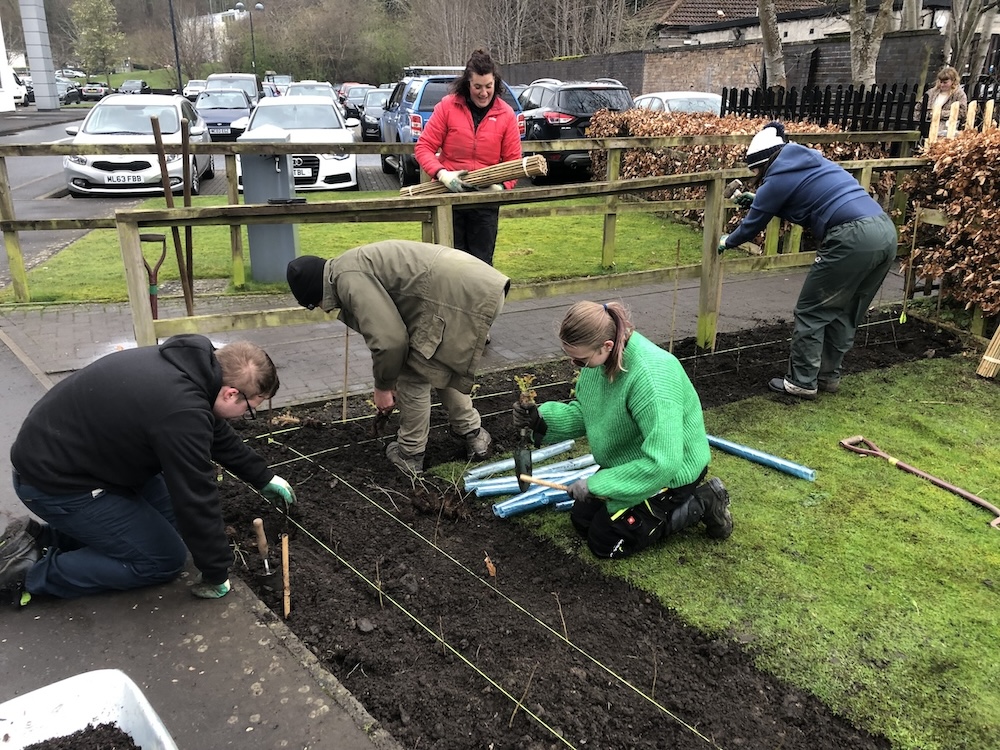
527	415
453	181
743	200
722	244
210	590
279	489
491	188
579	491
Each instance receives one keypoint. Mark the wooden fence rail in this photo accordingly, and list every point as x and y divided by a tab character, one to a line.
434	214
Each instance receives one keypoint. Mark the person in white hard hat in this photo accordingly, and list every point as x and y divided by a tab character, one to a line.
858	243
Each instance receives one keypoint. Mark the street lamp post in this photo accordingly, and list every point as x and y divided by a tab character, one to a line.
253	45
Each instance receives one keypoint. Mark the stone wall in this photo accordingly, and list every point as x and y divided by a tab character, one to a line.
903	58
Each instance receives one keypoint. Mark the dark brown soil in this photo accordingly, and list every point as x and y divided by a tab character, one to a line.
100	737
391	591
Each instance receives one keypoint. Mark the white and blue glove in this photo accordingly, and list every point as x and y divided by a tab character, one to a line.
279	489
722	244
453	181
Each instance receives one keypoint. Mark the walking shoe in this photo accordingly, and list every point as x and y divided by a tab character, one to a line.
828	386
20	535
411	466
478	444
13	570
717	519
781	385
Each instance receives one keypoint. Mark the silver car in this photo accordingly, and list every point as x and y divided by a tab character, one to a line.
124	119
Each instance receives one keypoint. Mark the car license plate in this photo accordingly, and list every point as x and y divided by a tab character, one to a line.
301	172
220	131
119	179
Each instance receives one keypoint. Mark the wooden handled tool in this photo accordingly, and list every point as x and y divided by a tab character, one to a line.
258	526
543	482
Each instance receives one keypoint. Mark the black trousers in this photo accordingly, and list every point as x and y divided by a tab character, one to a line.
476	230
641	526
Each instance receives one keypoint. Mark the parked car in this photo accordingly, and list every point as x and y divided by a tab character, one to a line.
134	86
313	120
19	91
371	112
221	108
680	101
69	92
94	91
355	98
70	73
408	108
193	87
269	88
312	88
555	109
280	80
245	81
124	119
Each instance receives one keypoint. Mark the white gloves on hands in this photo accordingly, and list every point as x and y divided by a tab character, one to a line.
453	181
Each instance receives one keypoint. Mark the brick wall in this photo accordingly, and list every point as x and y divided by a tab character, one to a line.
711	67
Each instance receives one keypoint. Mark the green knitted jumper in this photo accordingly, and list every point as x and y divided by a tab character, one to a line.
645	429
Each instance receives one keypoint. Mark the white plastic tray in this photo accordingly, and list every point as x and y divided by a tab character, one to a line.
104	696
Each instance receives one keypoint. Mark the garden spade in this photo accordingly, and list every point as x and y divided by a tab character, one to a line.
258	525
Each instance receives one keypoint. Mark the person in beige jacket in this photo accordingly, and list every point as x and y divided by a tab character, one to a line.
425	312
946	91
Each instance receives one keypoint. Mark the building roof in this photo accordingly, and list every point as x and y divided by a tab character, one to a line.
687	13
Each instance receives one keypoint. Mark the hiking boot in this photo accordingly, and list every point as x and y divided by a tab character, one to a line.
14	569
478	444
411	466
717	519
828	386
782	385
20	535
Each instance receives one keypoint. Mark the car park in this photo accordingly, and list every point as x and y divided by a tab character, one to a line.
680	101
355	98
134	86
221	109
193	87
94	91
121	119
555	110
371	113
310	120
407	110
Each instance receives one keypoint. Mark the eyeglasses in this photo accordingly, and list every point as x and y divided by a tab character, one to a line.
250	413
584	362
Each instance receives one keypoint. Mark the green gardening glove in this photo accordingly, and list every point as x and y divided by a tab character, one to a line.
279	489
210	590
743	200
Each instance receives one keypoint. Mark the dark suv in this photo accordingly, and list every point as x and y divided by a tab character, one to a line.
406	112
555	109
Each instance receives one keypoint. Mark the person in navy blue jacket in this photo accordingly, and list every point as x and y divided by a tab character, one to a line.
858	243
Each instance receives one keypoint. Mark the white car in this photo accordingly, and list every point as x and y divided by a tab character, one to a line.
193	87
680	101
308	119
124	119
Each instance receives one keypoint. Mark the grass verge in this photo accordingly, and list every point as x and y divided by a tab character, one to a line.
528	250
870	587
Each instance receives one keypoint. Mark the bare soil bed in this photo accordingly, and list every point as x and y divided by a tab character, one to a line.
390	589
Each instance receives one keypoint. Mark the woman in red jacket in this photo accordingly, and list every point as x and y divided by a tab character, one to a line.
471	128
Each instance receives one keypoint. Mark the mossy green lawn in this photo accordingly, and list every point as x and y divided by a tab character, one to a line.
528	250
870	587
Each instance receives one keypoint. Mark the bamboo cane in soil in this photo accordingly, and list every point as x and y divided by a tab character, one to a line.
529	166
286	588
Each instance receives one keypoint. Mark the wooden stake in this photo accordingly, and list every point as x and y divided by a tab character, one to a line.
529	166
991	359
347	339
287	594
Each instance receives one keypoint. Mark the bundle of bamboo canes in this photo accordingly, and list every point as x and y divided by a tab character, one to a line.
991	360
529	166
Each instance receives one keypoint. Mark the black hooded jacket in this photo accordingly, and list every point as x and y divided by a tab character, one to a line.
133	414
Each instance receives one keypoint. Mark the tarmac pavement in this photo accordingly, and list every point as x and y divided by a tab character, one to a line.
228	673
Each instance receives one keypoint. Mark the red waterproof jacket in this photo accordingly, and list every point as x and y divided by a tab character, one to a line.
448	141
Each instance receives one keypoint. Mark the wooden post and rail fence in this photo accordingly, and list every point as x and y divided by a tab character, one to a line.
434	214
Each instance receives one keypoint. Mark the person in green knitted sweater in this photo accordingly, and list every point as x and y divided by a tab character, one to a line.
643	420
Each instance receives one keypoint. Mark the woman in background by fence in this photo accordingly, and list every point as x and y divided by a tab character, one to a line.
944	93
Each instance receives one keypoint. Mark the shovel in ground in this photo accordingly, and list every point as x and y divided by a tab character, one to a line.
864	446
258	526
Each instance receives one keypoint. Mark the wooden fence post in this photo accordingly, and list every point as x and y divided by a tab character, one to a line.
710	293
611	210
239	273
15	258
